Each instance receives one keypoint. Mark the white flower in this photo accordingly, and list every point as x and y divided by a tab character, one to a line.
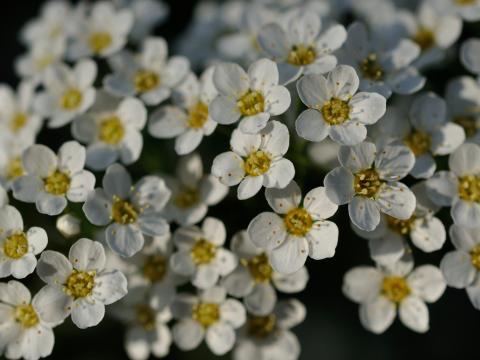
335	109
383	70
69	92
388	241
18	247
432	30
147	331
134	210
254	279
459	187
269	336
192	191
17	118
24	331
368	181
210	316
469	10
295	231
428	133
253	96
52	179
469	54
463	101
381	291
41	56
242	44
298	46
112	129
68	225
460	267
201	255
11	150
147	14
54	23
102	32
256	160
150	75
79	285
189	120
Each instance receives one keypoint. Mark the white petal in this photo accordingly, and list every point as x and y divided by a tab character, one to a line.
311	126
53	267
224	110
206	276
181	262
39	160
50	204
387	250
414	314
362	284
313	90
463	238
447	139
358	157
249	187
167	122
87	314
284	200
442	188
397	200
239	283
52	304
339	185
344	80
230	79
429	235
226	261
263	74
187	334
322	240
266	230
214	231
110	286
466	213
348	133
117	182
87	255
364	213
98	208
377	315
81	185
188	141
394	162
280	174
290	256
427	283
228	168
37	239
457	269
318	204
233	312
124	240
220	338
277	100
261	300
367	108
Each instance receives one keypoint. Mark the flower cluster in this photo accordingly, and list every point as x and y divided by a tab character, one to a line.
290	89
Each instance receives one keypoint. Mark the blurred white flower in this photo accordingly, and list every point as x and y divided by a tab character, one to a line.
112	129
189	120
254	279
201	255
150	75
68	225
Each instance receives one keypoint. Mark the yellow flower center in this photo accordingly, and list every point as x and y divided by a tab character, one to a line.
123	212
187	198
395	288
111	130
418	141
301	55
475	257
259	268
14	168
425	38
371	69
80	283
402	227
261	326
257	163
206	314
18	122
146	317
57	184
367	183
464	2
44	61
197	115
298	222
203	252
99	41
251	103
469	188
26	316
468	123
155	268
145	80
15	246
71	99
335	111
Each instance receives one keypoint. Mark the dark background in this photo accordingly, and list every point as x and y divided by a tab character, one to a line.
332	329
